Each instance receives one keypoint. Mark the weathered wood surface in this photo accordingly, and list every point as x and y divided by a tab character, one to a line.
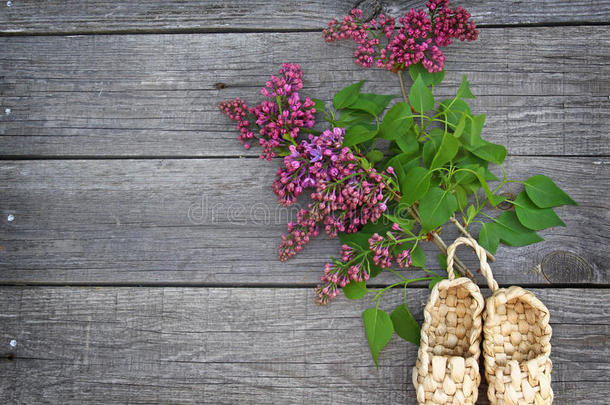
223	346
56	16
217	221
544	90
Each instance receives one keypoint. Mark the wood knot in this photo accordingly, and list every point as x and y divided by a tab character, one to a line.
505	205
566	267
370	8
220	86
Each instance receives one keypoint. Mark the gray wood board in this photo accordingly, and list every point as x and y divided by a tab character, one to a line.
544	90
225	346
56	16
217	221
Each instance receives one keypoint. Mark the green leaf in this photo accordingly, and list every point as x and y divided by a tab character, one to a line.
365	105
428	153
459	129
454	110
401	163
408	143
511	232
533	217
545	193
379	330
461	196
372	103
436	207
319	105
429	78
405	325
488	151
347	96
447	151
464	90
380	227
374	269
493	199
358	134
374	155
355	290
420	96
349	118
405	223
396	122
471	212
472	131
358	240
418	256
488	237
415	185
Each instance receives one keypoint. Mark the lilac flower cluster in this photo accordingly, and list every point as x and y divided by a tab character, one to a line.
352	268
278	119
339	274
345	196
419	39
382	246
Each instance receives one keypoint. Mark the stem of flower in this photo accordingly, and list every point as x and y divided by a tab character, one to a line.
403	89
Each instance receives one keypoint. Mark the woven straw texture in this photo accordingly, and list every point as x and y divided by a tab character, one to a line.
447	369
516	348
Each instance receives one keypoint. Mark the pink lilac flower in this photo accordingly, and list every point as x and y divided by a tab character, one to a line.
416	23
381	248
279	119
337	275
345	197
404	258
417	40
237	110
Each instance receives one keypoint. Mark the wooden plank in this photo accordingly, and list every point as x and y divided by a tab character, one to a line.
71	16
217	221
213	345
544	90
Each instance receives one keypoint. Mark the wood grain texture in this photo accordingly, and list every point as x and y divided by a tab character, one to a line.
217	221
225	346
544	90
56	16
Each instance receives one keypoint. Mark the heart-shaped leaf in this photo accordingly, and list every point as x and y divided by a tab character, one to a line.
429	78
358	134
511	232
420	96
446	151
347	96
533	217
379	330
355	290
436	207
405	325
545	193
396	122
415	185
488	237
464	90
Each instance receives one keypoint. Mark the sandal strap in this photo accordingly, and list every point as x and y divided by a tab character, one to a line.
481	253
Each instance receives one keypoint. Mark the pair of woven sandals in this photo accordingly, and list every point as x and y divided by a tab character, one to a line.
516	342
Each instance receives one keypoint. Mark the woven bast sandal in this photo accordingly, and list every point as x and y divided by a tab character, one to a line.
517	348
447	369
